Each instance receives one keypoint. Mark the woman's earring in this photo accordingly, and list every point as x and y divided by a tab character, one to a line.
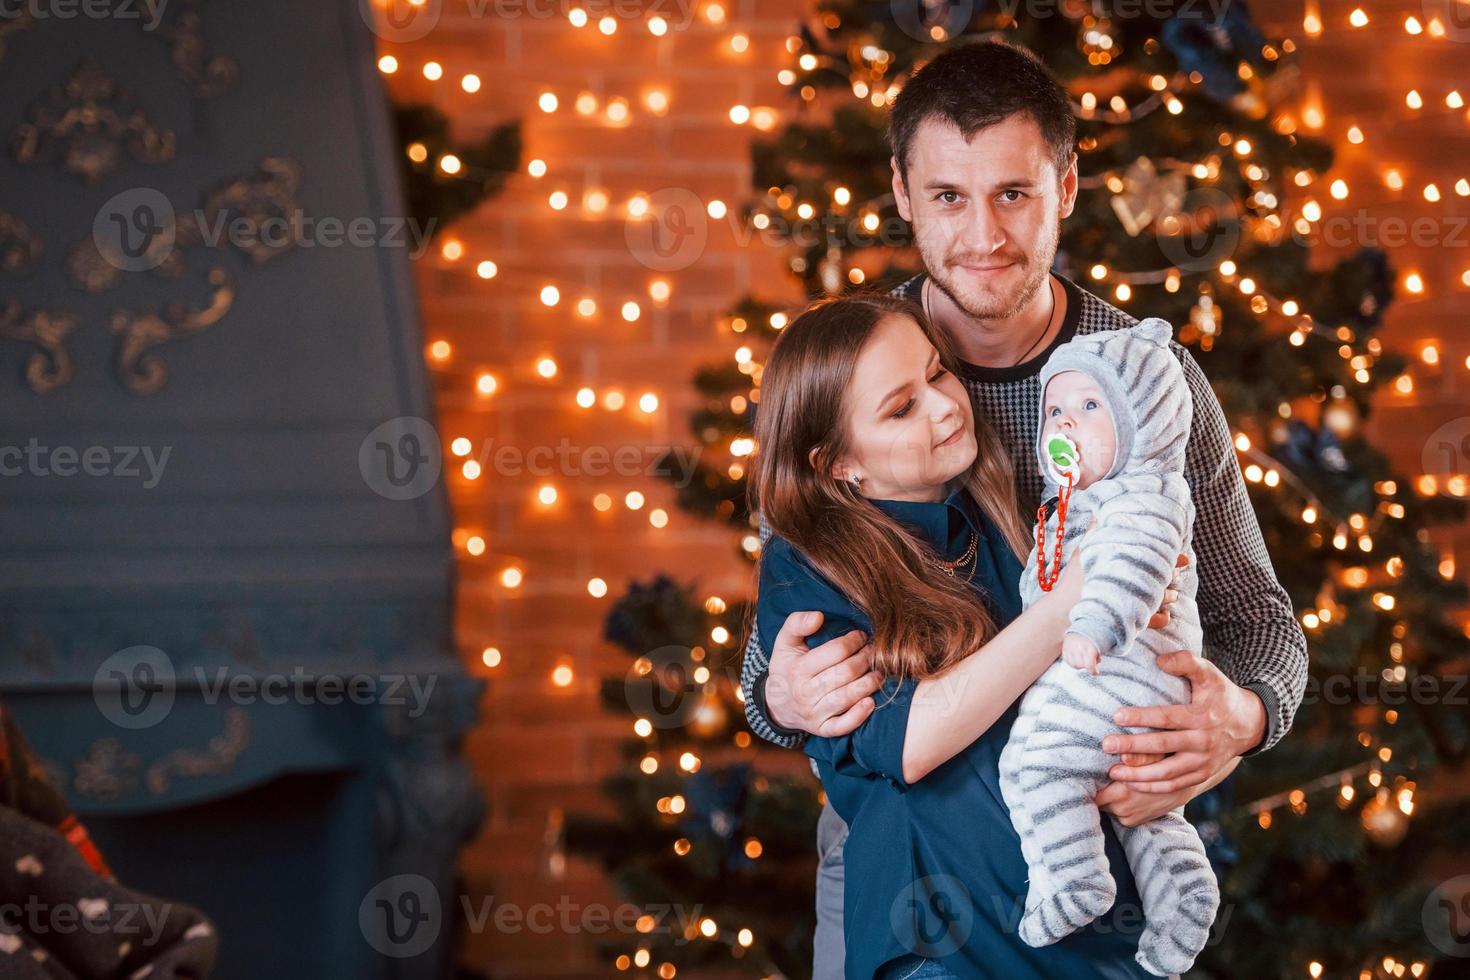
855	480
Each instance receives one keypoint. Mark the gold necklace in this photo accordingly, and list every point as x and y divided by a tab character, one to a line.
950	566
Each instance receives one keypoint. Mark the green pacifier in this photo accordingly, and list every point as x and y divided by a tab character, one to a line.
1063	459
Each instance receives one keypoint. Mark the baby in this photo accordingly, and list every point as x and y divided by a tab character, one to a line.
1114	424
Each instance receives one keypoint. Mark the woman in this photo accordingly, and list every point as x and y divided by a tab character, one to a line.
892	511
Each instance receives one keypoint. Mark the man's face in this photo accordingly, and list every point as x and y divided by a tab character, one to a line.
986	211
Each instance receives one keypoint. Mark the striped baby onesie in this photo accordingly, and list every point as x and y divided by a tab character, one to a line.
1053	763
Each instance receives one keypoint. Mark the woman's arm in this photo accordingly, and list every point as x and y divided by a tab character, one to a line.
953	709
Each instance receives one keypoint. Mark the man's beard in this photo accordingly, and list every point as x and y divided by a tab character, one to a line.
996	307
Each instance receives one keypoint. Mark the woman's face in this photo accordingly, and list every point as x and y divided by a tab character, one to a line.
910	426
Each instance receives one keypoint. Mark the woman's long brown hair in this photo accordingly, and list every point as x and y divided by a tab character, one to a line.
924	621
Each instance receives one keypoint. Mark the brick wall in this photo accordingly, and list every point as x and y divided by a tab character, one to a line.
543	745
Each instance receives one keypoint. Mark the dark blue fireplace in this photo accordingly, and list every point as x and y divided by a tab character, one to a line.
225	561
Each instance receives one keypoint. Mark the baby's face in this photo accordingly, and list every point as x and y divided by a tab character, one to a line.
1074	405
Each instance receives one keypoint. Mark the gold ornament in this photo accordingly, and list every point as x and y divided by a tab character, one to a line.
1384	822
709	717
1340	417
1146	195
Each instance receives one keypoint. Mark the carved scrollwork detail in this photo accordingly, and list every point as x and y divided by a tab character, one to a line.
10	24
138	333
217	758
49	367
19	246
206	75
109	771
89	118
268	197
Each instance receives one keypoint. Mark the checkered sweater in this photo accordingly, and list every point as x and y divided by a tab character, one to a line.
1250	630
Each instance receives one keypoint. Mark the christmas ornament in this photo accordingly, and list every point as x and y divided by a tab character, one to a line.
1385	824
1341	417
709	717
829	271
1215	48
1362	287
1098	39
1146	195
1205	316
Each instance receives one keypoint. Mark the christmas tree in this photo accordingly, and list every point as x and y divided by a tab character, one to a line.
1199	205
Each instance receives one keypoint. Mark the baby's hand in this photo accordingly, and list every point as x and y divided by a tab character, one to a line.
1079	652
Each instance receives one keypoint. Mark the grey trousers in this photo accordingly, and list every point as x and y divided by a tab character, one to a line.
829	954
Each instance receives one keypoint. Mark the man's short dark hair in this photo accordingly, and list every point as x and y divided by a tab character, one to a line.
977	85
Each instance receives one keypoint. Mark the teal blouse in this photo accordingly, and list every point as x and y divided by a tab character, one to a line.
935	867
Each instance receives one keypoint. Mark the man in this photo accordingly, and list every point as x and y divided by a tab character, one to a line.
984	169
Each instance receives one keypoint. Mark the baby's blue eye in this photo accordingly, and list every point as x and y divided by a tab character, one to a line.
1091	403
1054	411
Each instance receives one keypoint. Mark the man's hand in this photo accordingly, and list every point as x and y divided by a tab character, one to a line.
1220	722
1132	807
826	691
